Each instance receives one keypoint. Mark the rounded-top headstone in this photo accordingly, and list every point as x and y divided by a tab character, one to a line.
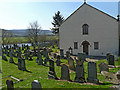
9	83
35	84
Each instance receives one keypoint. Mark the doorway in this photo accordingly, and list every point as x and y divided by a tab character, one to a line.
85	47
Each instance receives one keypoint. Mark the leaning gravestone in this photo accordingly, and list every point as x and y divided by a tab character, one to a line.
71	63
92	73
103	67
61	53
65	75
80	77
111	60
51	74
23	64
10	84
36	85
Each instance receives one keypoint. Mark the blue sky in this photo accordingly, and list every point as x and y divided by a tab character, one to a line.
18	15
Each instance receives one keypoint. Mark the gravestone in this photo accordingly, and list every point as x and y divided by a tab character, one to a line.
40	61
81	56
5	50
55	55
111	60
11	57
23	64
19	63
10	84
80	77
71	63
26	56
30	58
61	53
58	62
36	85
67	54
51	74
4	57
92	73
65	75
103	67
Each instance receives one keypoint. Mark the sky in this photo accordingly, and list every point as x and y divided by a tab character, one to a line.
18	14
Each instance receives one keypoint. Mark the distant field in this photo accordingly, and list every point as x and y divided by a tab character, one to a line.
25	39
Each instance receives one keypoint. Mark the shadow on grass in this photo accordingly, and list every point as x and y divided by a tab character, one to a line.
105	83
28	71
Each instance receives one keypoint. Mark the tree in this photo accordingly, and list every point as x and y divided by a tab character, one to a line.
33	32
58	19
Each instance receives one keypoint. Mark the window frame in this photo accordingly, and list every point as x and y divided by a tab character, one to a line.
85	28
96	45
75	45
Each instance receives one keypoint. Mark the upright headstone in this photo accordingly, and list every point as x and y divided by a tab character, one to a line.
111	60
11	57
71	63
4	57
36	85
81	56
19	63
103	67
92	73
58	62
51	74
80	77
10	84
61	53
40	61
65	75
67	54
23	64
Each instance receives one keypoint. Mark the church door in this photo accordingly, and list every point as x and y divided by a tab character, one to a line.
85	47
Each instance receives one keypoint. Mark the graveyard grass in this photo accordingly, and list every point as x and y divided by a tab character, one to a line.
40	73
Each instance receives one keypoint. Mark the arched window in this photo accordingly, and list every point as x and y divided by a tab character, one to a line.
85	29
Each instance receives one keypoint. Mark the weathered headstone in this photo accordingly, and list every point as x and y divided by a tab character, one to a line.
81	56
67	54
111	60
40	61
36	85
4	57
11	57
92	73
19	63
61	53
51	74
10	84
58	62
80	77
23	64
103	67
71	63
65	75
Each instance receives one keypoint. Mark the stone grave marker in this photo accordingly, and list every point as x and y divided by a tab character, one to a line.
4	57
10	84
65	75
111	60
19	63
92	73
61	53
51	74
80	77
11	57
40	60
36	85
81	56
67	54
23	64
103	67
58	62
71	63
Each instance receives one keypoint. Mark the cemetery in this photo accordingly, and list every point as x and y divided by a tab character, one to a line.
48	67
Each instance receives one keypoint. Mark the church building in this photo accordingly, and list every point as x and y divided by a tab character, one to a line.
91	31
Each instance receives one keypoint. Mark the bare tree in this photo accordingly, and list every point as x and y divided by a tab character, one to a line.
33	32
6	36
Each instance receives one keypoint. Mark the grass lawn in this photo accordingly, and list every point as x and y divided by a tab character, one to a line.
40	73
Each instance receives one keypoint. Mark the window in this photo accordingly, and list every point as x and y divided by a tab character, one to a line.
85	29
75	45
96	45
